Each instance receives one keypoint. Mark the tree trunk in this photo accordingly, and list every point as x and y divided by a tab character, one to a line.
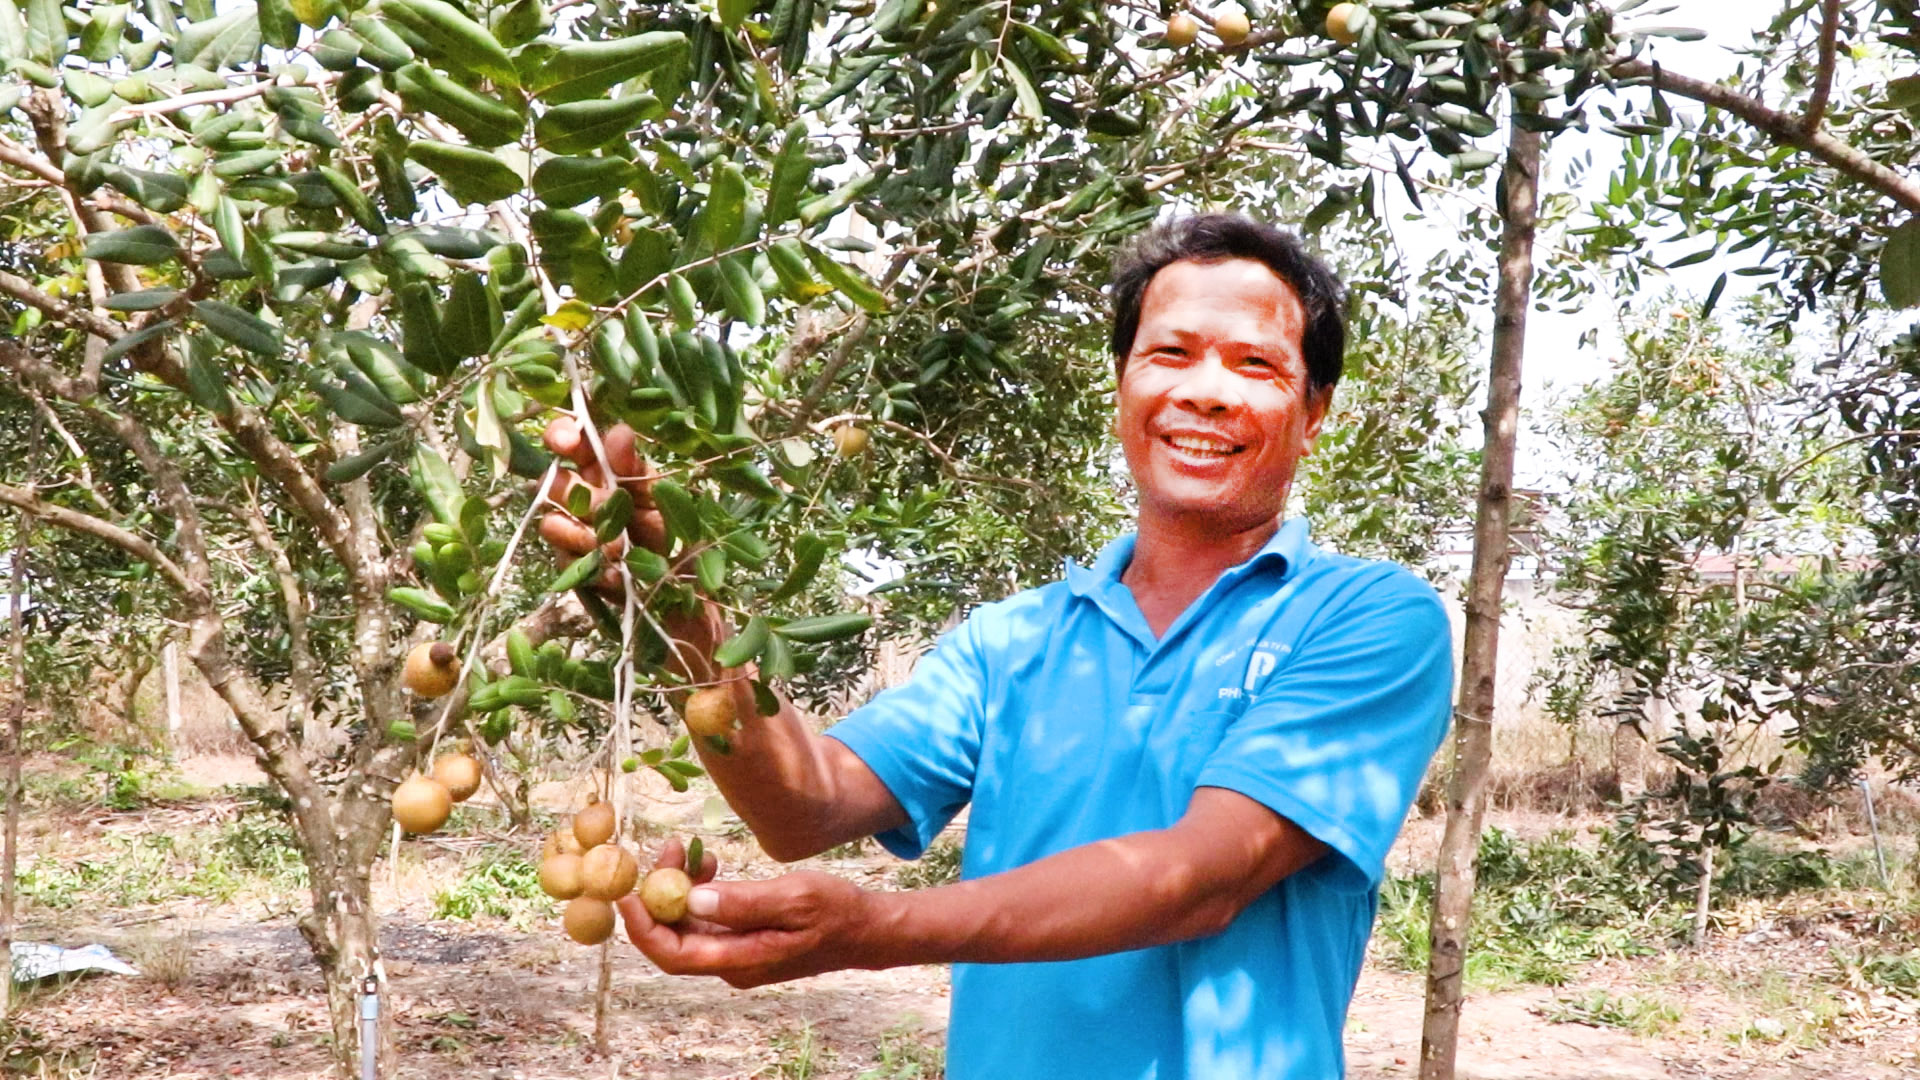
1473	721
16	723
344	936
170	672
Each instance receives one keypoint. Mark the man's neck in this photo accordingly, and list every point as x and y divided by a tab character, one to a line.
1174	561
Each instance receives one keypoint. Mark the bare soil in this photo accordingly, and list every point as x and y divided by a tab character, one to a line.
229	991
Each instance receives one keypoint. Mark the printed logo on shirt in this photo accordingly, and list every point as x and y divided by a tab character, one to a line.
1266	657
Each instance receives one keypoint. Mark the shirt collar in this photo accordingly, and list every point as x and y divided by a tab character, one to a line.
1289	547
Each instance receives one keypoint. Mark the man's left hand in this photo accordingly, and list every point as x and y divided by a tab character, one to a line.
752	933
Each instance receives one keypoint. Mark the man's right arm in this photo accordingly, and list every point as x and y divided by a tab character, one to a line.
800	792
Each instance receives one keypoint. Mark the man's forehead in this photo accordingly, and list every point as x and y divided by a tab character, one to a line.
1230	280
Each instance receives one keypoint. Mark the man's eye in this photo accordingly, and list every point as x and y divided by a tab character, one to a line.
1258	362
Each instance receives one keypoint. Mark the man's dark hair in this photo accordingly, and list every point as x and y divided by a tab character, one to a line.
1213	237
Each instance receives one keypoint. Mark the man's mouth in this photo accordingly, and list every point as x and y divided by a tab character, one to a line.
1202	445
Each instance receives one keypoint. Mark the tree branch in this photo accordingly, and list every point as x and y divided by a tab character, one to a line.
68	315
12	153
1823	77
100	529
1782	128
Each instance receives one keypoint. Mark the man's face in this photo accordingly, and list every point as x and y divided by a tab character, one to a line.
1214	410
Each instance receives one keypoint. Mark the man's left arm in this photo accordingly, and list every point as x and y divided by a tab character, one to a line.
1328	755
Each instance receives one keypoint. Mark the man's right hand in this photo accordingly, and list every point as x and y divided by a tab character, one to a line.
567	437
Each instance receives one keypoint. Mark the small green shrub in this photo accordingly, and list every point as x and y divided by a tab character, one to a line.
1645	1016
504	885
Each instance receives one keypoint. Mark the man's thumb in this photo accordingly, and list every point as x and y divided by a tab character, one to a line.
743	905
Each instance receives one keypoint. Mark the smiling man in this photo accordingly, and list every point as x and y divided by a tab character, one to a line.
1185	762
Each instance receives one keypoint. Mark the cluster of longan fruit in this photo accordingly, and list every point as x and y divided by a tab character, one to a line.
584	865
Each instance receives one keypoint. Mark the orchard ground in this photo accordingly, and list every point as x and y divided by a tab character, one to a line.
181	868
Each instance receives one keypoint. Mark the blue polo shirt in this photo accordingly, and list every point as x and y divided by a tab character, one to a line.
1316	684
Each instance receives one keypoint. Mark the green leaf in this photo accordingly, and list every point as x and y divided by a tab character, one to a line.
422	603
122	345
451	36
848	281
240	327
1900	265
468	174
744	646
100	38
678	508
433	478
726	207
808	553
221	42
791	171
141	245
710	569
577	573
584	126
741	293
141	299
470	318
821	628
570	181
588	69
647	565
615	512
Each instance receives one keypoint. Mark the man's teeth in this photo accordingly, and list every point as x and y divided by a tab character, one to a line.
1200	446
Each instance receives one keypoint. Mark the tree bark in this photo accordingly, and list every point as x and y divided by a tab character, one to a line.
1473	720
343	935
16	724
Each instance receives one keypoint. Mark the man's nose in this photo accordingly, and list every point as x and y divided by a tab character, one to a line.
1208	386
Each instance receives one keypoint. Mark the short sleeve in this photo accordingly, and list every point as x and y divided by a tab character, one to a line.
1339	738
922	739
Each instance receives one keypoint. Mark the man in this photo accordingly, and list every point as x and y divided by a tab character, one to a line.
1186	763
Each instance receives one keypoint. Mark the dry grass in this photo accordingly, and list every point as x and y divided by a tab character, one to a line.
165	956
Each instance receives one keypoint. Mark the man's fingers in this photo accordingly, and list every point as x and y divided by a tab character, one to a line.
568	533
566	437
623	452
672	854
649	530
709	866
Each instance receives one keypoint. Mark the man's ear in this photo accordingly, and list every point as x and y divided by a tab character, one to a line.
1319	404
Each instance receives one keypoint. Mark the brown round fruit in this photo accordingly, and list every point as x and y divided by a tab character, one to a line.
1232	26
594	825
421	805
608	872
588	921
460	773
664	894
562	842
850	441
710	711
1181	30
432	669
1340	20
560	876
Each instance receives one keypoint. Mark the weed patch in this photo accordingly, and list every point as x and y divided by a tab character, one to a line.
1644	1016
938	865
504	885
